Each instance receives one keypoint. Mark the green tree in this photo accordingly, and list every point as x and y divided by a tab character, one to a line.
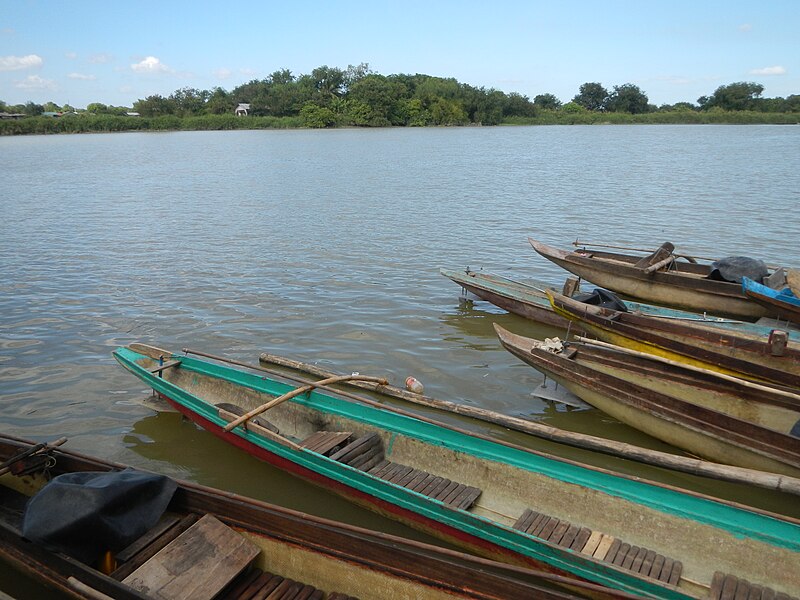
189	101
627	98
317	116
32	109
329	83
97	108
546	102
734	96
154	106
375	101
591	96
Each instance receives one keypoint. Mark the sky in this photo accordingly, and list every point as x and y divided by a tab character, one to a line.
86	51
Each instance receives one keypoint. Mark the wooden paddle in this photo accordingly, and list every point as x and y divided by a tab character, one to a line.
297	392
44	446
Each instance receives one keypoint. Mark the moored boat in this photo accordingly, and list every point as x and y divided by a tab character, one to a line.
782	304
491	497
668	281
721	418
287	553
530	300
773	359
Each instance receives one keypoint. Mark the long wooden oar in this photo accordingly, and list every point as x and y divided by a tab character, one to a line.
299	391
694	466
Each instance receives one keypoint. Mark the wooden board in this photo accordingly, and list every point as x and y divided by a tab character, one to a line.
793	280
198	564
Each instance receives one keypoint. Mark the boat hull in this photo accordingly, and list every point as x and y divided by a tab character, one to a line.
779	305
682	290
509	478
720	350
692	413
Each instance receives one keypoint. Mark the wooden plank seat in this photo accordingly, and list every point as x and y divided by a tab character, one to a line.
601	546
367	454
730	587
165	366
258	584
239	411
198	564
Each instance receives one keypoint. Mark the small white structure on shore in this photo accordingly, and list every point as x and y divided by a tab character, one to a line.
241	110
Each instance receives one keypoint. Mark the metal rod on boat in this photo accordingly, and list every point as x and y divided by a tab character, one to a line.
694	466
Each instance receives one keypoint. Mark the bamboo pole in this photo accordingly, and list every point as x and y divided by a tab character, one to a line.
693	466
297	392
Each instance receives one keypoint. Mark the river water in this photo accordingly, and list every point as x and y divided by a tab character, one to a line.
325	246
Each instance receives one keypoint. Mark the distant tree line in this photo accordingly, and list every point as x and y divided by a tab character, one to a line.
357	96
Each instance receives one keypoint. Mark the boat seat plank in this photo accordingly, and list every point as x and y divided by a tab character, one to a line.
165	366
198	564
322	442
729	587
147	552
165	522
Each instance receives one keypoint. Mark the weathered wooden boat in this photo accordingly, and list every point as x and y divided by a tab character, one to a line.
491	497
782	304
530	301
667	281
774	359
257	549
721	418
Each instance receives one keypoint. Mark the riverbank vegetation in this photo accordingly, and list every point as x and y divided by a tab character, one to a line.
357	97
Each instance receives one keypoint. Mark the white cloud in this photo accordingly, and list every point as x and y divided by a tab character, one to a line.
34	82
745	27
7	31
81	76
222	73
101	58
71	55
776	70
150	64
17	63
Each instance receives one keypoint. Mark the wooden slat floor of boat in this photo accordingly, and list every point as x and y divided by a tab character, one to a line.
256	584
326	442
730	587
366	453
601	546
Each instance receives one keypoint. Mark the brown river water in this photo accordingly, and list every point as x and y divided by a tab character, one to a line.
325	247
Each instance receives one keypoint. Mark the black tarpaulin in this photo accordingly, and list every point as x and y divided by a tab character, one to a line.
602	298
733	268
86	514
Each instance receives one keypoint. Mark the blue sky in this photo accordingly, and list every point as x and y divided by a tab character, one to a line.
80	51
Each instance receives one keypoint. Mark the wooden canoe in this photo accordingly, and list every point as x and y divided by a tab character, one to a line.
530	301
774	359
781	304
315	557
721	418
681	285
490	497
